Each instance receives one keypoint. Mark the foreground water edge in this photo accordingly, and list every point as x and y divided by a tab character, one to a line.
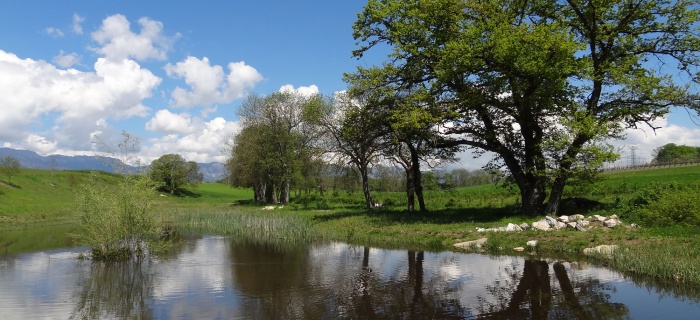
225	277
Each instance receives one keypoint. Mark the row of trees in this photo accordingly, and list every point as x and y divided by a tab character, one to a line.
293	141
672	153
539	85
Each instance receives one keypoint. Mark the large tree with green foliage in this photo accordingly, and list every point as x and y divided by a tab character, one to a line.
540	84
172	172
277	140
355	133
9	166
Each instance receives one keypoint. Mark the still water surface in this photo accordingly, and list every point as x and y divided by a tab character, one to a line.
219	278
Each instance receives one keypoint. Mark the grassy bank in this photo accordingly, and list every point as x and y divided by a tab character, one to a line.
663	252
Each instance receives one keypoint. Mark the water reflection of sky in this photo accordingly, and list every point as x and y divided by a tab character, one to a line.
39	285
213	278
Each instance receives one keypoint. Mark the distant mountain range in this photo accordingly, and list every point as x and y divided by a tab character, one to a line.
212	171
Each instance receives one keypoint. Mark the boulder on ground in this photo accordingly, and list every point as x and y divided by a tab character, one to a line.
519	249
580	226
559	225
513	227
551	221
564	219
577	217
532	243
524	226
541	225
611	223
470	245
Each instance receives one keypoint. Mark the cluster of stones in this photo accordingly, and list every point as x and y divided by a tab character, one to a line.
479	243
602	250
578	222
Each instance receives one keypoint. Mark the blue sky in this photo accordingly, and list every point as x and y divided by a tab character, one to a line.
173	72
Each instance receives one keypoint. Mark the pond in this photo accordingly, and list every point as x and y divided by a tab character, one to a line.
208	277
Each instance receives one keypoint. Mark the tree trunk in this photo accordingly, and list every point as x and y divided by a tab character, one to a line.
284	192
533	194
555	196
365	187
417	176
410	191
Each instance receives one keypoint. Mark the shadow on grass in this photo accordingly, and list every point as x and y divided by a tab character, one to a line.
182	193
443	216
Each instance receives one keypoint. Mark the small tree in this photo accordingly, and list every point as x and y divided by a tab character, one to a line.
9	166
117	221
172	172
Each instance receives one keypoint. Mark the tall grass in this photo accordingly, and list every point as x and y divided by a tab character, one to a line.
259	227
674	260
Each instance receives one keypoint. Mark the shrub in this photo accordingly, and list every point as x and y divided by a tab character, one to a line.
666	204
116	222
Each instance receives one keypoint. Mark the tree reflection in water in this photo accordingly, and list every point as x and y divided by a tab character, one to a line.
535	297
338	282
115	290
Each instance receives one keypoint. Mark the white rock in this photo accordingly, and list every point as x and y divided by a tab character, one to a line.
614	216
519	249
577	217
532	243
269	208
611	223
571	225
564	219
559	225
541	225
513	227
584	223
580	225
599	218
480	229
524	226
475	244
551	221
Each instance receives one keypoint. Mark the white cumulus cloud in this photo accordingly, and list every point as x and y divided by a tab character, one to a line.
66	60
32	90
205	144
305	91
209	84
119	42
167	122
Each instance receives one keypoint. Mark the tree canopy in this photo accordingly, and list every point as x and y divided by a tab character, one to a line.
172	172
671	153
540	84
9	166
278	138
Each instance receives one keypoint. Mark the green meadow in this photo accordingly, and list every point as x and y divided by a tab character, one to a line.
41	205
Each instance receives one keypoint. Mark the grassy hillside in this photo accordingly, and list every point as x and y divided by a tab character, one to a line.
46	197
42	195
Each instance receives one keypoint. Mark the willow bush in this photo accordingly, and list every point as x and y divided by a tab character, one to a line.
117	221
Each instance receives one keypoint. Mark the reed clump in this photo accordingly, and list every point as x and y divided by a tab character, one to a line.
254	226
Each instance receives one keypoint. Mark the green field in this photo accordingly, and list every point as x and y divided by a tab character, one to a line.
42	198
